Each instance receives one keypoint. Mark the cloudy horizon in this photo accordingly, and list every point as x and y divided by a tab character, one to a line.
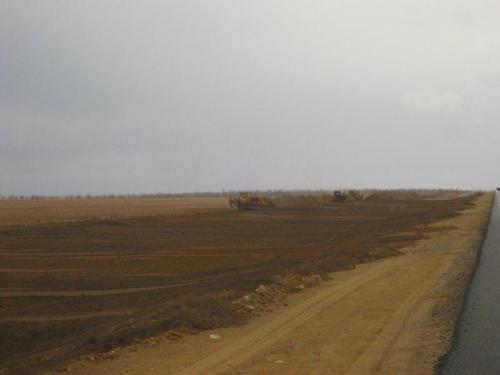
182	96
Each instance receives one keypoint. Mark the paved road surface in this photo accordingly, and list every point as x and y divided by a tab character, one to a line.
477	346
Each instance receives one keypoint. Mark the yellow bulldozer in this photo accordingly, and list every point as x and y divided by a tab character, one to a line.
250	201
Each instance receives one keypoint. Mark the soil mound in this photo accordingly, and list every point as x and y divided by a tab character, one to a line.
392	197
275	293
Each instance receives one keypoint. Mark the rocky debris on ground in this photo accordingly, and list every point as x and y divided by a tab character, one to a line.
101	356
151	342
295	283
172	335
256	301
276	292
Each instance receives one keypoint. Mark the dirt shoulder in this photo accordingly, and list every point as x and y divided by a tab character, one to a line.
391	316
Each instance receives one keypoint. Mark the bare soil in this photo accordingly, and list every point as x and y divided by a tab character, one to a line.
86	276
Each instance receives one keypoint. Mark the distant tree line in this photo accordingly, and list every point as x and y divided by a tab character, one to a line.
219	194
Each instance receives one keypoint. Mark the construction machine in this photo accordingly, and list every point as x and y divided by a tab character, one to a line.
250	201
347	196
354	196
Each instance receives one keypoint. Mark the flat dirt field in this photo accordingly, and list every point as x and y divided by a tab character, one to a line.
86	276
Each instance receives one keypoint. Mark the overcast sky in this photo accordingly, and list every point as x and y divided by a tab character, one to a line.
145	96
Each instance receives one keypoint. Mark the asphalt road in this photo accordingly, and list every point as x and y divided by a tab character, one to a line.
476	349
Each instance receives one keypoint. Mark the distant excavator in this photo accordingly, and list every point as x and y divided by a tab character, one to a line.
339	196
250	201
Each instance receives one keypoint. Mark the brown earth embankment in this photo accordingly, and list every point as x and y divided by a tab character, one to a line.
92	276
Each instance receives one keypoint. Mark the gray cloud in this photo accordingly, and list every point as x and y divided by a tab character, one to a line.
114	96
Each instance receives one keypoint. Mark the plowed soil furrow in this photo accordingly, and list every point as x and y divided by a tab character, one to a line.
52	318
29	270
14	292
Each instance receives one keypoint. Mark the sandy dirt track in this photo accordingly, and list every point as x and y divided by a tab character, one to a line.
393	316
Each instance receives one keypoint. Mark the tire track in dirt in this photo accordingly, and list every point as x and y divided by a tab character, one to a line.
85	271
52	270
372	358
125	256
270	332
12	292
42	319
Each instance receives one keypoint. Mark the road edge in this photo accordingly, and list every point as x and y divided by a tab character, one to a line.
462	298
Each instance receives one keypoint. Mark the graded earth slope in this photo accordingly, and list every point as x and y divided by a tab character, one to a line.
391	316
